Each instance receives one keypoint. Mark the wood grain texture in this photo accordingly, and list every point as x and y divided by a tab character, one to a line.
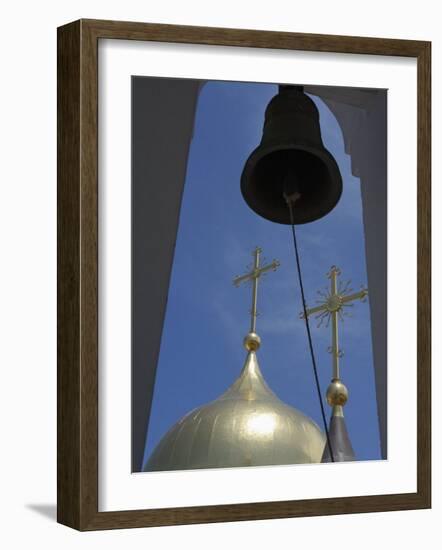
424	274
77	224
68	275
253	38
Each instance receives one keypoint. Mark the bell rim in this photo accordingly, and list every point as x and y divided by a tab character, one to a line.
325	155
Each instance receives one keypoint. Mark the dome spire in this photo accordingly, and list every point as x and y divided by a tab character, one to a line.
252	341
332	307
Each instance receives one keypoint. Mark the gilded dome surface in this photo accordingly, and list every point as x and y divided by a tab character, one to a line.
248	425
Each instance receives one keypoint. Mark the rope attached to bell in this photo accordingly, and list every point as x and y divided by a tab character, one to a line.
290	200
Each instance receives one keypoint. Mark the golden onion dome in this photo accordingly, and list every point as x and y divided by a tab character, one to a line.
248	425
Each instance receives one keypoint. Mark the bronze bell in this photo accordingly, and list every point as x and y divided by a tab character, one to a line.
291	160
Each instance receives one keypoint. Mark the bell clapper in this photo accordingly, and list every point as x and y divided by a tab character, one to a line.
291	191
291	199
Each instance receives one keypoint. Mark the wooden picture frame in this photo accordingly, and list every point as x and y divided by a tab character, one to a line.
77	388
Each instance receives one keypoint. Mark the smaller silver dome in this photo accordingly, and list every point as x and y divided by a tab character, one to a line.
246	426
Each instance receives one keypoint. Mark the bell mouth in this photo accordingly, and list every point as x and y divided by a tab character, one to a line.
313	173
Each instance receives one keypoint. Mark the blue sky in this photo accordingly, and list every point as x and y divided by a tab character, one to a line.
207	317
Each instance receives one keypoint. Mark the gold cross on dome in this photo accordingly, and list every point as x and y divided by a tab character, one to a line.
332	306
254	276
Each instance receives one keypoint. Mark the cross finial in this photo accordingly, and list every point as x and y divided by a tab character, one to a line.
254	276
332	305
